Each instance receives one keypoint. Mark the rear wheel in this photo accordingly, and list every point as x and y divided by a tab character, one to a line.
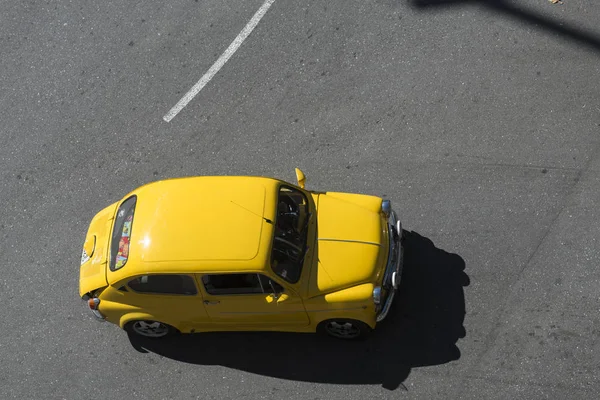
150	329
347	329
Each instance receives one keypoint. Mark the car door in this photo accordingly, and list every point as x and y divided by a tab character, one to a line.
250	301
170	298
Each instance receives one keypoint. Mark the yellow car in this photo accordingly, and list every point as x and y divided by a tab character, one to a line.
240	253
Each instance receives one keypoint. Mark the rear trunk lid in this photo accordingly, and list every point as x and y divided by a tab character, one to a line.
94	257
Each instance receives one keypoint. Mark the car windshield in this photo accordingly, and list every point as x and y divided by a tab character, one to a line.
289	242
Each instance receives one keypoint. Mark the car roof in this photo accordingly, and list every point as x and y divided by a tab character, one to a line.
201	224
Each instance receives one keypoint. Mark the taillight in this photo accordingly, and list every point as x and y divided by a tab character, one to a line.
93	303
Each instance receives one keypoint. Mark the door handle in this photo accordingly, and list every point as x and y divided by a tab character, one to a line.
212	302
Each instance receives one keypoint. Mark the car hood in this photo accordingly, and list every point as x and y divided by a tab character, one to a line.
350	242
92	272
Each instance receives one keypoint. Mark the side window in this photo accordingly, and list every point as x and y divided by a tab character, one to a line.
239	284
163	284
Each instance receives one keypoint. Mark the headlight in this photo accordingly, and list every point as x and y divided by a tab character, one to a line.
386	207
377	295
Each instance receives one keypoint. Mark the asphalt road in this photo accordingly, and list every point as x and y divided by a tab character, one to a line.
480	120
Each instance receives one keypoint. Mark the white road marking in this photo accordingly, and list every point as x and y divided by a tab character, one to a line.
237	42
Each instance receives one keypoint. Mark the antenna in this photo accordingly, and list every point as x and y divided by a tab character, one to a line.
252	212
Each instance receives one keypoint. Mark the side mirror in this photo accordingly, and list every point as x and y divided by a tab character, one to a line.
300	177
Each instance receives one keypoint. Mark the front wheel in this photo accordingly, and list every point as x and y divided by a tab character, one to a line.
347	329
150	329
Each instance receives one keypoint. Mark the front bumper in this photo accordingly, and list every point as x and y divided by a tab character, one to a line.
393	271
98	316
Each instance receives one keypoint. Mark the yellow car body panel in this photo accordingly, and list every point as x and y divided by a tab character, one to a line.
191	224
92	273
171	220
351	242
199	227
255	311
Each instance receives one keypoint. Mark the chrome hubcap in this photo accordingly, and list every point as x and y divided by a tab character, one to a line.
150	328
344	330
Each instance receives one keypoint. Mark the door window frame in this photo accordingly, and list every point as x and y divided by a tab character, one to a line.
266	291
125	283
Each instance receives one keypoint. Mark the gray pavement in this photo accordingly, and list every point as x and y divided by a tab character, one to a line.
480	120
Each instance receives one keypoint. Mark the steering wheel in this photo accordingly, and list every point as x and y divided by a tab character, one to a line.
288	214
290	250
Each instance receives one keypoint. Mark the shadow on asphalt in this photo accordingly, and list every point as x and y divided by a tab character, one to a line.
422	329
515	11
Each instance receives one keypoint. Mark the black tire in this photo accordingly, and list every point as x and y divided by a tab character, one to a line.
344	329
149	329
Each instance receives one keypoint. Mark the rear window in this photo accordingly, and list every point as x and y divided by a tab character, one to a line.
119	249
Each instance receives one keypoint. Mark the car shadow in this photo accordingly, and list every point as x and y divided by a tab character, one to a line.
423	328
521	13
